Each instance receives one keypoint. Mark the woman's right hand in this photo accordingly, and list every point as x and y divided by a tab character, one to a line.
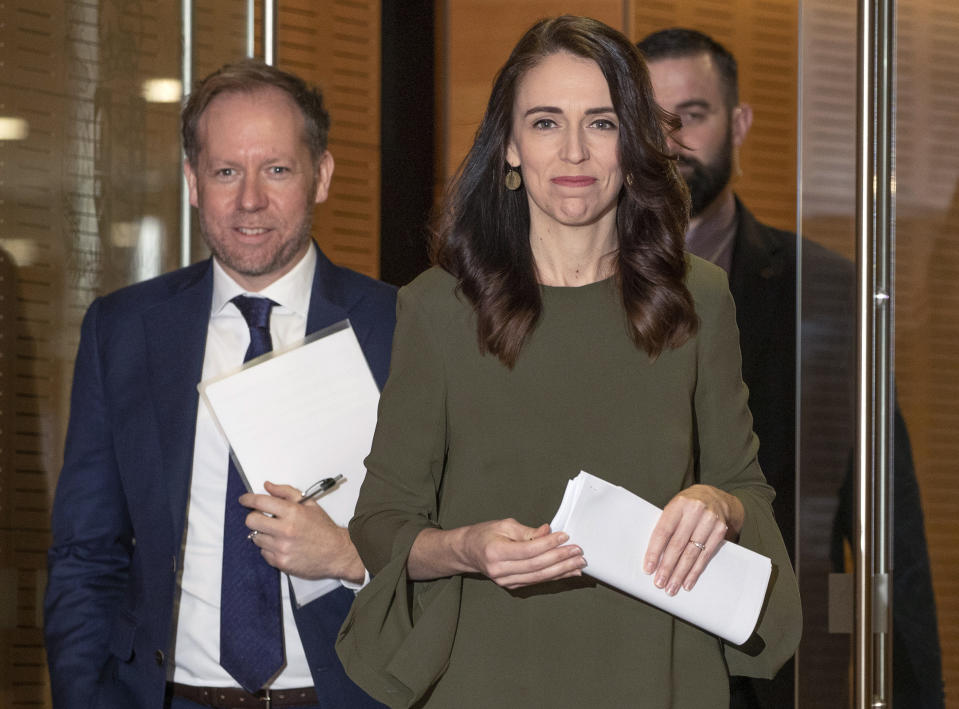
511	554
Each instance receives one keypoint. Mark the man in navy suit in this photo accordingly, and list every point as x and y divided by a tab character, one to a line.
133	600
697	78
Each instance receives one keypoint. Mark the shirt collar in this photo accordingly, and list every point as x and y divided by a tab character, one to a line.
713	238
291	292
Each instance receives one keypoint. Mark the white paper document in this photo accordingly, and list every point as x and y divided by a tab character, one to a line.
300	415
613	527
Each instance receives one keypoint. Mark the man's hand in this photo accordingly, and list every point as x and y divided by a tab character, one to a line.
300	539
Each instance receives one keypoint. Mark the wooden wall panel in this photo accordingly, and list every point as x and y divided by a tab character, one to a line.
219	35
927	301
828	125
346	63
335	44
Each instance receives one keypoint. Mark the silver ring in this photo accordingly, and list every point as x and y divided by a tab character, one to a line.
699	545
252	534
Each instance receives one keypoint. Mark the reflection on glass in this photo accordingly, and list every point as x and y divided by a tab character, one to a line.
13	128
88	202
162	90
827	423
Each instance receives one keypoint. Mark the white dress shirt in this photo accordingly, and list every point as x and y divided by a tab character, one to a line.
197	650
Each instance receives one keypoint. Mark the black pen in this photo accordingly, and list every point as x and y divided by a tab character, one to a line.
318	488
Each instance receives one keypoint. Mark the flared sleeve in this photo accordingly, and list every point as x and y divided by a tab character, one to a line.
727	450
396	641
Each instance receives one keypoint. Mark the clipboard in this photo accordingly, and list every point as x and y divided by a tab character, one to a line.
298	415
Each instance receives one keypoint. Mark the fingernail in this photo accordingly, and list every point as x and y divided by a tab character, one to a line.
648	567
673	588
688	586
660	581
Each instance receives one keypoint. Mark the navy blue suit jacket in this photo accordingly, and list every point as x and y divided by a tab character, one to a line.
120	506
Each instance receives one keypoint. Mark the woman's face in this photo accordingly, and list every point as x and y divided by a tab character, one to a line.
565	137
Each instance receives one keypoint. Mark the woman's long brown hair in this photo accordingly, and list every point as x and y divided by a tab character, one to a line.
482	237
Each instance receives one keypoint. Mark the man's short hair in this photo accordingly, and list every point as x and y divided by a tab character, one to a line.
681	42
251	75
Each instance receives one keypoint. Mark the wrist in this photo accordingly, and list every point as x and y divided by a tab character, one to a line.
437	553
351	569
457	542
735	519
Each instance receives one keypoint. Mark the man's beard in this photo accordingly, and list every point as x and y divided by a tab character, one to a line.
258	262
707	180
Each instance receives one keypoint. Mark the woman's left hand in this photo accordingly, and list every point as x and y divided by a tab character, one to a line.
692	527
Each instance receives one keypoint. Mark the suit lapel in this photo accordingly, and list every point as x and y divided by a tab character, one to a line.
755	282
176	341
326	307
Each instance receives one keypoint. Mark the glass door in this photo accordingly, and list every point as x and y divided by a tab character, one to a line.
925	231
89	202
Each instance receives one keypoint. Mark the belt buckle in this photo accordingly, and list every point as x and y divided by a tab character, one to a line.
266	699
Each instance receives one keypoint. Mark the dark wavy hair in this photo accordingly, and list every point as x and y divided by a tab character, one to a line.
249	75
482	236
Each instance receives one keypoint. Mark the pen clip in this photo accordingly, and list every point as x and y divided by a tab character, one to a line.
320	487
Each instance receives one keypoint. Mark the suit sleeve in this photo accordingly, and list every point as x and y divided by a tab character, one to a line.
89	559
727	460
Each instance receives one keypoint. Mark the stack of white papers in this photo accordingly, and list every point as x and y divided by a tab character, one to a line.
613	526
299	416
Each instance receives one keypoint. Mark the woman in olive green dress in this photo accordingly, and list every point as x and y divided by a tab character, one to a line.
563	328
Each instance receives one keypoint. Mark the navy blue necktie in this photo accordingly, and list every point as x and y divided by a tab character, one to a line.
251	619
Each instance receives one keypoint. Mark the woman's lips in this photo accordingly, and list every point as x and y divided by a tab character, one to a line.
574	181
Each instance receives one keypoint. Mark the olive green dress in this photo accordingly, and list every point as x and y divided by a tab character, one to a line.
462	439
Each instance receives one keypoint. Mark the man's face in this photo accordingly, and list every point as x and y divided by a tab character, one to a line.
255	184
691	88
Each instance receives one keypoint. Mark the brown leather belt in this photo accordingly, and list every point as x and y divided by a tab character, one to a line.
232	698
